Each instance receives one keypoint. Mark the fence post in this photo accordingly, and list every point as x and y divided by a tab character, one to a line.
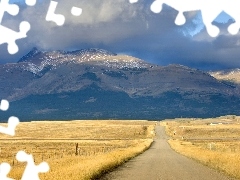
76	152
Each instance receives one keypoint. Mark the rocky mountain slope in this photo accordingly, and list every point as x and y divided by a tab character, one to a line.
94	83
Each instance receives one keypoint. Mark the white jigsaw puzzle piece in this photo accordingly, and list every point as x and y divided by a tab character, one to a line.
12	9
30	2
209	9
10	129
209	12
9	36
59	19
12	121
31	171
4	170
133	1
4	105
76	11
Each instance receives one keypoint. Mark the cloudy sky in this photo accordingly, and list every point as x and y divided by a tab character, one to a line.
122	27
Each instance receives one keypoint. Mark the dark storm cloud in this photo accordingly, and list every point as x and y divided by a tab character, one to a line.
133	29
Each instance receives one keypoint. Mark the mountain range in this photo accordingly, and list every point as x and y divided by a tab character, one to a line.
98	84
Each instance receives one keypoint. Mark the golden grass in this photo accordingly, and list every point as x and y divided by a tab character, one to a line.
102	145
216	145
81	129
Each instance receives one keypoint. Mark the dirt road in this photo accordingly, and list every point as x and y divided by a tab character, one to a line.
160	162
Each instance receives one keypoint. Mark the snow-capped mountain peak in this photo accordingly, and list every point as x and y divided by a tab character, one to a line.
35	61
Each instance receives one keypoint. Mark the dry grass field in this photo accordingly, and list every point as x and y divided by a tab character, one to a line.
102	145
213	142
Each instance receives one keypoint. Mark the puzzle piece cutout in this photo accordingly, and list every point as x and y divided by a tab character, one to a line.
4	105
209	9
59	19
8	35
12	121
31	171
10	129
4	170
76	11
133	1
30	2
12	9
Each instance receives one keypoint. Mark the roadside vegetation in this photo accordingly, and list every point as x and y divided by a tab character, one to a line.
76	149
213	142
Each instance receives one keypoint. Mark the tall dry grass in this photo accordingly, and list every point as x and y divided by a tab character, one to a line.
227	162
102	146
213	142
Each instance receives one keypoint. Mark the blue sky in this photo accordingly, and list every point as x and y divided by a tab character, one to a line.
132	29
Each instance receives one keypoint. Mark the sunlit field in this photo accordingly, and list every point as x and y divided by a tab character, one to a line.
213	142
76	149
